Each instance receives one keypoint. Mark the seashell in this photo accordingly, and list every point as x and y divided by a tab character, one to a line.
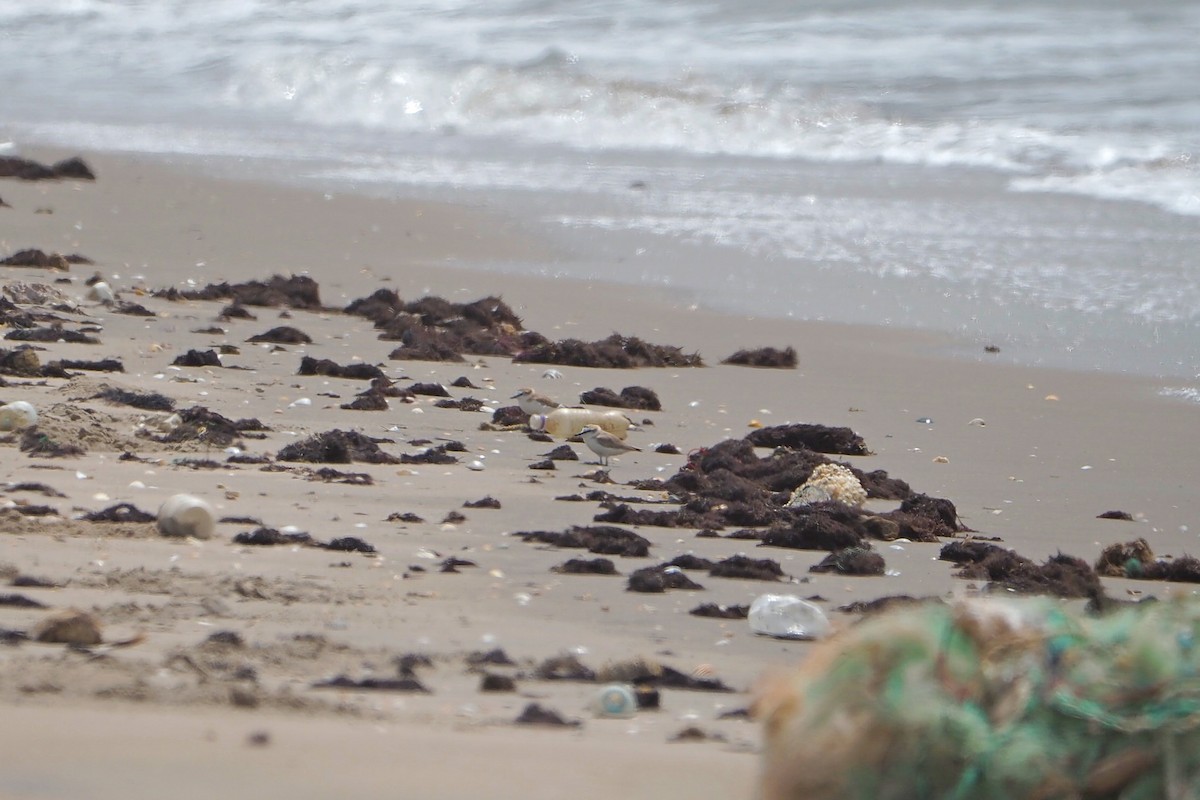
186	515
552	374
17	415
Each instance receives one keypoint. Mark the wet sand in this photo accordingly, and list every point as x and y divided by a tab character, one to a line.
1055	450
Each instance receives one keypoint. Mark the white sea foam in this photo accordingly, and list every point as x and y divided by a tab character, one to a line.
1188	393
927	146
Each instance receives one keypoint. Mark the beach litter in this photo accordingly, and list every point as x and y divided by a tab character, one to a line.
786	616
988	699
186	515
17	415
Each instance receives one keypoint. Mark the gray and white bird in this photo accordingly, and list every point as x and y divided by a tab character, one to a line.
533	403
604	444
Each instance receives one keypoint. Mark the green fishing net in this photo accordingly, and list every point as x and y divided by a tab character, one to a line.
994	700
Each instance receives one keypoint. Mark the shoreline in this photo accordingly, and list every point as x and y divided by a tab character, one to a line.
507	247
1057	449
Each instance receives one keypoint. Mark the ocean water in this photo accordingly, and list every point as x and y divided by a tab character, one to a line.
1020	173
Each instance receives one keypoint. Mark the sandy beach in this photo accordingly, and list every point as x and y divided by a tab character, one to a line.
210	679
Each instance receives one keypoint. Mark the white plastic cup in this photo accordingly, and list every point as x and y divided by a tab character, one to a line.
101	292
786	616
17	415
184	515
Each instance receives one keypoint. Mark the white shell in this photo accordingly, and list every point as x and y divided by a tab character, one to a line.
17	415
185	515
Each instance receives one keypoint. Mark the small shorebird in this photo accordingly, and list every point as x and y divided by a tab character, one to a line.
604	444
533	403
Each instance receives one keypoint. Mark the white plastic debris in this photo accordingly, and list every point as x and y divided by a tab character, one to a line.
101	292
616	701
17	415
186	515
786	616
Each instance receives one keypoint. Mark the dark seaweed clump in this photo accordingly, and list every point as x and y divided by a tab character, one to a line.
369	400
323	366
852	561
615	352
720	612
765	357
337	447
534	714
53	334
728	484
198	358
296	291
132	309
435	329
818	438
36	258
101	365
1060	575
605	540
25	169
199	424
638	398
266	537
758	569
284	334
121	512
147	401
1136	560
586	566
655	580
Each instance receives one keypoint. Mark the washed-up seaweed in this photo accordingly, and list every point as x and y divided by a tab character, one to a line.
323	366
284	334
296	291
50	335
634	397
765	357
337	447
599	539
615	352
29	170
147	401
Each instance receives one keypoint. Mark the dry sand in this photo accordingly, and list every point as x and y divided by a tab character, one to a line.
179	713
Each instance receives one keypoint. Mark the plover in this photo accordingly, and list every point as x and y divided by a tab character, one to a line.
604	444
533	403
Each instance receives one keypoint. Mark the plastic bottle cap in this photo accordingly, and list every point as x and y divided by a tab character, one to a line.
615	700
